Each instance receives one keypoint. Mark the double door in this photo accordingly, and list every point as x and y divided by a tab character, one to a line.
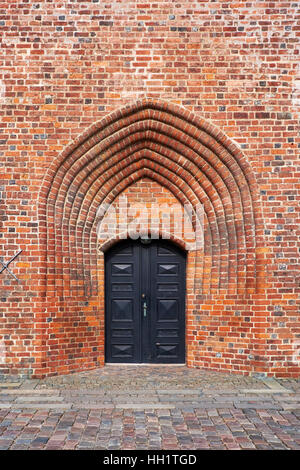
145	303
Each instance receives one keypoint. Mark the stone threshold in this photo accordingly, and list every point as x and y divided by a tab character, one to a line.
121	364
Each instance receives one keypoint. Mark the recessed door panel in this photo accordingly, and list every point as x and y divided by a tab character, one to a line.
167	310
122	310
167	269
122	269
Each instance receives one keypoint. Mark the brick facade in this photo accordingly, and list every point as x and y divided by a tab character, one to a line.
190	102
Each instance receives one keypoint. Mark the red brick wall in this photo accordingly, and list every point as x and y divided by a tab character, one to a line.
65	66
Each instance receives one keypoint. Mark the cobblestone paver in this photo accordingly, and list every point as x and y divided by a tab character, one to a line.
150	407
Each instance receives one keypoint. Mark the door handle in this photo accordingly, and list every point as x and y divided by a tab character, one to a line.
145	309
144	305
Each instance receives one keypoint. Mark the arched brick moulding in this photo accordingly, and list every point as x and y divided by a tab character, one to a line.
187	155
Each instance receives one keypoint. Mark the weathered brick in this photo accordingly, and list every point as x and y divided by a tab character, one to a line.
156	101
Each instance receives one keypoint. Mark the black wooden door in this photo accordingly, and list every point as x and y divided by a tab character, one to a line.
145	303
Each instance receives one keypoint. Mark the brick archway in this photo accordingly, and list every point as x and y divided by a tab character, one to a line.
198	164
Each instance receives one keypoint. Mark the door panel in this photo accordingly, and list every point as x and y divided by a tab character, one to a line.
168	310
145	303
122	304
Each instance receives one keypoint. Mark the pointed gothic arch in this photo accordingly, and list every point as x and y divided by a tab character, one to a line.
170	145
195	162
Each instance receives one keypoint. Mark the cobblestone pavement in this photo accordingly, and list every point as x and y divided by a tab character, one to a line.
150	407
